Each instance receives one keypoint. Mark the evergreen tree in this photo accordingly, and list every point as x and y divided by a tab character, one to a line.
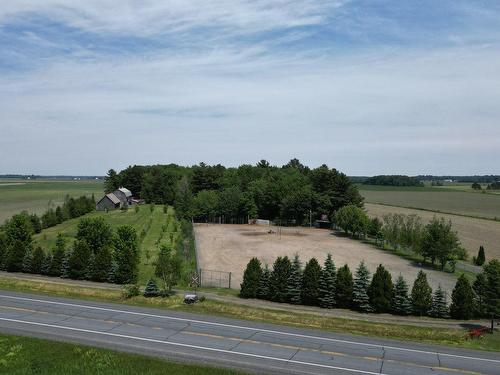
151	289
58	256
294	284
479	287
328	284
36	223
279	278
65	265
311	283
38	257
102	264
112	272
492	273
27	260
421	295
481	257
439	308
126	255
78	260
344	287
462	300
251	279
17	241
263	291
401	303
46	264
90	268
360	299
381	290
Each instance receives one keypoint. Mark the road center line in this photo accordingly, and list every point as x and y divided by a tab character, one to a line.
194	347
249	328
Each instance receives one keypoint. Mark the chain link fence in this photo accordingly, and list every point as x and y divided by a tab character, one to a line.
214	278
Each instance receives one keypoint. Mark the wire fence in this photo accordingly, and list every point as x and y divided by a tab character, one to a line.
214	278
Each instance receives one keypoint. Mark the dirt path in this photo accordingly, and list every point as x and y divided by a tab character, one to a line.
230	247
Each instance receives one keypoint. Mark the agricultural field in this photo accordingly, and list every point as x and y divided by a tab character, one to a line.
35	196
230	247
438	199
152	227
471	231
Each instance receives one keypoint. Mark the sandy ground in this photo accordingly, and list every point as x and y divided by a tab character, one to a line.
230	247
472	232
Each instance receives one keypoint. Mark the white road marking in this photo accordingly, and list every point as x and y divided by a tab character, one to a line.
195	347
251	329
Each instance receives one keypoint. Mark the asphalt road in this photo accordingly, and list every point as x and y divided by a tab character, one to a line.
262	348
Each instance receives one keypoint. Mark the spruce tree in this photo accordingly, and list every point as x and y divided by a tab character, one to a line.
479	287
421	295
360	299
344	287
263	291
46	264
462	300
27	260
251	278
58	256
439	308
65	264
79	259
492	273
102	264
36	263
126	255
279	279
112	272
151	289
311	283
381	290
294	284
328	284
481	257
90	268
401	303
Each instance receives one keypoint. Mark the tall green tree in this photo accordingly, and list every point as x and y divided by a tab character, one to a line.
168	267
111	181
328	283
126	255
279	279
27	260
462	300
421	295
480	287
78	260
251	279
294	285
401	303
439	307
492	273
263	291
311	283
440	242
352	220
381	290
344	287
18	240
481	257
360	298
58	256
37	261
206	204
184	200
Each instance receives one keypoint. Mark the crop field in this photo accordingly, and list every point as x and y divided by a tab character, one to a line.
36	196
230	247
445	200
472	232
155	226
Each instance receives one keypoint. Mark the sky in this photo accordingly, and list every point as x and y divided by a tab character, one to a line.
366	86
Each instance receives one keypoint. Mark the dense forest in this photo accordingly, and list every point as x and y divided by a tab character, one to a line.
393	180
292	193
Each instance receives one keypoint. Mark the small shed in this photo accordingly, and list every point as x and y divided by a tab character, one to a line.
108	202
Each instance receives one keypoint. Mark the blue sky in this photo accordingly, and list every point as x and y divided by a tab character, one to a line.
370	87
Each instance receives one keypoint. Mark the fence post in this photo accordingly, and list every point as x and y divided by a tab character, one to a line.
229	280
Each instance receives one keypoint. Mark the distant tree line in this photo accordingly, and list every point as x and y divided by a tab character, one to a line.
493	186
98	253
436	242
291	193
327	287
484	179
393	180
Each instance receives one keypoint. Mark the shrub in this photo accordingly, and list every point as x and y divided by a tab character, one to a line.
151	289
131	290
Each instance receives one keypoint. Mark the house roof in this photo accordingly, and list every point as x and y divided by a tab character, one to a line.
113	198
126	191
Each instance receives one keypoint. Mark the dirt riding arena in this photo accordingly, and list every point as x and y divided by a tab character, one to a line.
230	247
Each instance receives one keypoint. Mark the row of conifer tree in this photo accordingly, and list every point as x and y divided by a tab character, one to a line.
328	287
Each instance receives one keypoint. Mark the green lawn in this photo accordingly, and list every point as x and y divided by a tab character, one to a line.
24	355
35	196
438	199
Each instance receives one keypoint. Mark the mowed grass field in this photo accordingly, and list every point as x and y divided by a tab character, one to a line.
35	196
157	226
438	199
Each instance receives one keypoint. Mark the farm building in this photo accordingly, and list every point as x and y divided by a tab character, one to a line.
117	199
108	202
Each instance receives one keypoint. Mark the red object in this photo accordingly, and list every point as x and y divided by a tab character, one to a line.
478	332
